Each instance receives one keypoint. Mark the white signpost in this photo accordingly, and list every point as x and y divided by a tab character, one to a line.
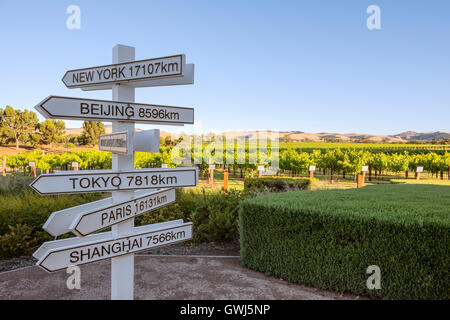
119	211
419	169
54	107
365	168
312	167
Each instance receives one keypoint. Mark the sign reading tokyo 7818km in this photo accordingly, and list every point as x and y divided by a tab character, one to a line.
115	180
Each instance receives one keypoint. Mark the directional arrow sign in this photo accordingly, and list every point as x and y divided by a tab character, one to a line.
106	246
94	216
75	241
118	142
165	67
114	180
128	141
187	78
54	107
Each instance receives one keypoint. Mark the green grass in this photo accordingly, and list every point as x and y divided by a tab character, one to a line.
438	182
328	238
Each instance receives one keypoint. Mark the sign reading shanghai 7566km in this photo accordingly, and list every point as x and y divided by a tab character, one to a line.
114	180
107	246
165	67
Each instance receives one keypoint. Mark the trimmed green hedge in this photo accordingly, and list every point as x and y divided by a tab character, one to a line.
277	184
328	238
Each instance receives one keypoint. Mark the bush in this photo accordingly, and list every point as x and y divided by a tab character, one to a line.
16	242
14	184
277	184
23	214
328	238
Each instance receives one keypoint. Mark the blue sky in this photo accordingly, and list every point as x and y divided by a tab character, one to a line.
311	66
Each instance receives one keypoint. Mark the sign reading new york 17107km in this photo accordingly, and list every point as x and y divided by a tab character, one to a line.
164	67
114	180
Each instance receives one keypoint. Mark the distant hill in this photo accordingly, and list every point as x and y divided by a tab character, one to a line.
108	129
424	136
299	136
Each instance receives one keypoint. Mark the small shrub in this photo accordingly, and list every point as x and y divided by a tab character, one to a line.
16	242
14	184
277	184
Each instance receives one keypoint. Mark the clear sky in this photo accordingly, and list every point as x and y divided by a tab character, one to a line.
310	66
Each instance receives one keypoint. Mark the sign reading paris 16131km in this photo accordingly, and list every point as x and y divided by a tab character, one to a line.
164	67
101	214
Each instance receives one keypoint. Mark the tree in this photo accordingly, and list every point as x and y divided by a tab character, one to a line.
91	132
52	131
17	126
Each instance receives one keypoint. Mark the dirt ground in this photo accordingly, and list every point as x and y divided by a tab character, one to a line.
162	277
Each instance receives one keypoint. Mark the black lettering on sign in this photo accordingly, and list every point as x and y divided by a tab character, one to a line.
84	108
116	183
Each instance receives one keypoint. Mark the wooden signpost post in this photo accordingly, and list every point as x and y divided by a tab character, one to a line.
260	171
364	169
311	170
419	170
129	186
361	176
225	180
32	165
212	167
